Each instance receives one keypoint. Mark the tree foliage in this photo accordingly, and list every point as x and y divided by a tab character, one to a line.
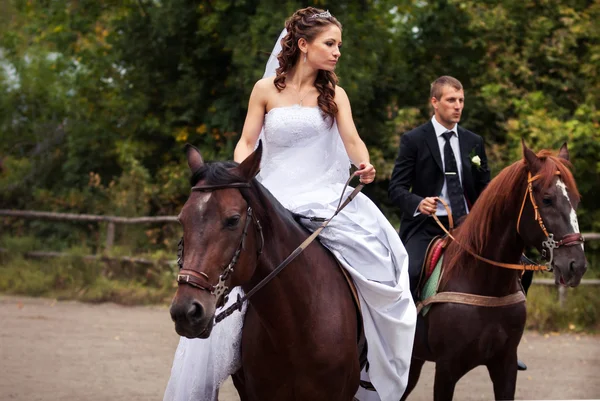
98	97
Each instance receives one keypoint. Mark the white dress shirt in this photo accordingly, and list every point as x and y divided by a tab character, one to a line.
454	144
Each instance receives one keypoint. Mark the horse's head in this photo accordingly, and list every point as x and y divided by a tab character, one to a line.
548	220
222	239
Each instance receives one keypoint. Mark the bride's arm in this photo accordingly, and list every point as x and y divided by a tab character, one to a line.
254	122
355	147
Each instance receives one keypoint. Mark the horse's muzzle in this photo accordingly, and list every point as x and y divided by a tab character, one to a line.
568	272
191	319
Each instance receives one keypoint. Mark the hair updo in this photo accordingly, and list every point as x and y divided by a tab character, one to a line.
304	24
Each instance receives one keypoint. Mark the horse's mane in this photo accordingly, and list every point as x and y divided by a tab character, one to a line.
505	192
263	203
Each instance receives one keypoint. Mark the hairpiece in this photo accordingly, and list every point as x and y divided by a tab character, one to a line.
324	14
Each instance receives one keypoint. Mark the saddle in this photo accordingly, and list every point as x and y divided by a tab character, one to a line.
431	273
361	340
432	256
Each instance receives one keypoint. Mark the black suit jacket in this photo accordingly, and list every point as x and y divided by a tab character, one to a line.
419	173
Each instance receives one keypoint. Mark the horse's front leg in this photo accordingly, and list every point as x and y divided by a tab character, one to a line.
413	376
240	384
447	374
503	372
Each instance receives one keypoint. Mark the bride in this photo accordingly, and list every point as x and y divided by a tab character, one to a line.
305	122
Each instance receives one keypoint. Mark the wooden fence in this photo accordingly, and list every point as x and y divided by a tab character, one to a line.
112	221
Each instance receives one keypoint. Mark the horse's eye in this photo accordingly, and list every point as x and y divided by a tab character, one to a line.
547	202
233	221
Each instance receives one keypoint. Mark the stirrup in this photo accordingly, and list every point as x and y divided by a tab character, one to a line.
298	217
367	385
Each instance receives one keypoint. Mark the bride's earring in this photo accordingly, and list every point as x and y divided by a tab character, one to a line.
305	57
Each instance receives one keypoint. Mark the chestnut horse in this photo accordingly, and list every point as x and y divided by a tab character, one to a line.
502	222
299	339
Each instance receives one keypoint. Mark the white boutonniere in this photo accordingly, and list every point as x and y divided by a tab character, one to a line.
475	159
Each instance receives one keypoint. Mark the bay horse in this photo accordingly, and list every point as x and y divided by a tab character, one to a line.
299	339
529	203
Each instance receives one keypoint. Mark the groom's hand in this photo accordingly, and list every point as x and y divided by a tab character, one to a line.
367	172
428	206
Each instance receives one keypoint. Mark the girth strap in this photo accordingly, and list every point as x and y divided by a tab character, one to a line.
472	299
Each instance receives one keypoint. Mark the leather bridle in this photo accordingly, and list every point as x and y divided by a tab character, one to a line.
518	297
549	244
201	280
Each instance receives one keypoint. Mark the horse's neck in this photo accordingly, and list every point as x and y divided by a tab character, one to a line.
503	245
295	290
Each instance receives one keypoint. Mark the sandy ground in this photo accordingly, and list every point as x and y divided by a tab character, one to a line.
72	351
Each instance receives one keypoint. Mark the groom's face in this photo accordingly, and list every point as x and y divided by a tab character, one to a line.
448	108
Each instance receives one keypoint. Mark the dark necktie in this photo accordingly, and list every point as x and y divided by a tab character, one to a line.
455	191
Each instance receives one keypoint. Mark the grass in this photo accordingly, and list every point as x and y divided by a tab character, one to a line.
131	284
75	279
580	313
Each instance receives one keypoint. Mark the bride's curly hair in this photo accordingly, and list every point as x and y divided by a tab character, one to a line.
304	24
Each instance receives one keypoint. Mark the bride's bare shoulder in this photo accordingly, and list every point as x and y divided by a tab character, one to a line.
340	93
265	84
341	98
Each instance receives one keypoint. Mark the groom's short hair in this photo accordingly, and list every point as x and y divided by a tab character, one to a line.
437	86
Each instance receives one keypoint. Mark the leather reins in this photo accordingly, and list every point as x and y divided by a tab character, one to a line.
549	244
517	297
200	280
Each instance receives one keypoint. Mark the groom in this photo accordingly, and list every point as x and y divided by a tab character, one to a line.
439	159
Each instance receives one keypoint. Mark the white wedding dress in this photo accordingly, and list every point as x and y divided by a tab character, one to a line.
305	167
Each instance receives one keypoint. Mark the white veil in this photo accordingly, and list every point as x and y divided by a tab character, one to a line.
273	63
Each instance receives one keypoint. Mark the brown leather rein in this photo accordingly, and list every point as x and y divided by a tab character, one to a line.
549	244
200	280
517	297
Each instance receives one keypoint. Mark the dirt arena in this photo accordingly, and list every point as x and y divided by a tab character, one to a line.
66	351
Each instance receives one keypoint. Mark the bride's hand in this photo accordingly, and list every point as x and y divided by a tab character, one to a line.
366	171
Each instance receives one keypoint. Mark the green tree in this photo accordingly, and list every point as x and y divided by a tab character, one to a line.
100	96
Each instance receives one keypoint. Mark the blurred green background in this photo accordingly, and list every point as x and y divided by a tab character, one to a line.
97	99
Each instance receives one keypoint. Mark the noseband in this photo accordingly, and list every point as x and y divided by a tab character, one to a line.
200	280
549	244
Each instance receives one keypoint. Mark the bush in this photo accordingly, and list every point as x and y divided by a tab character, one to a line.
75	278
580	313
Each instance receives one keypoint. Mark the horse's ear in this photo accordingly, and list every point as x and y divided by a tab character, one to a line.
194	158
563	153
531	160
251	165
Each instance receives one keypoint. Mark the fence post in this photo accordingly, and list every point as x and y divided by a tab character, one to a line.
110	236
562	296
